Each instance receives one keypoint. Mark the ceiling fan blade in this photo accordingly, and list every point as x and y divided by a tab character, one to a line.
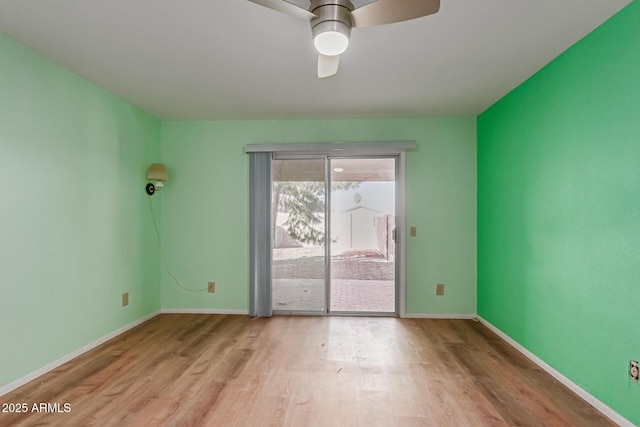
389	11
286	7
327	65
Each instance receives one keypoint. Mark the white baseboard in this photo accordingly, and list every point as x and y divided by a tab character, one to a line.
51	366
586	396
202	311
439	316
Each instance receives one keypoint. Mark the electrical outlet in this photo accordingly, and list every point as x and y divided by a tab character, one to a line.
125	299
413	231
212	287
634	370
440	289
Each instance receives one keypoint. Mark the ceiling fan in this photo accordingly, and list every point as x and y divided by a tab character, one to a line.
332	20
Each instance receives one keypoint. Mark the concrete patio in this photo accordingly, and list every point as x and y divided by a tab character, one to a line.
361	282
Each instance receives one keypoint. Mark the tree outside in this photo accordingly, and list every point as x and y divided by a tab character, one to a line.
304	203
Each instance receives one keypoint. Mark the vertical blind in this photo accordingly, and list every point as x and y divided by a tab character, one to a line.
260	234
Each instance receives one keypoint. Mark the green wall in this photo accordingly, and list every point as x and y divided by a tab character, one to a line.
559	212
205	206
558	223
74	219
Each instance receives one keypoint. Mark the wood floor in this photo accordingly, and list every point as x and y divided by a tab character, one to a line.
224	370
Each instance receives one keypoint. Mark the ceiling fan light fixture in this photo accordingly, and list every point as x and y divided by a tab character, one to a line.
331	38
331	21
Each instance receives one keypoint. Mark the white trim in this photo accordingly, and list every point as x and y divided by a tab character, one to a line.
439	316
64	359
202	311
586	396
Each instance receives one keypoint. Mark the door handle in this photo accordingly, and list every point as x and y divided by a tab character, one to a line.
395	235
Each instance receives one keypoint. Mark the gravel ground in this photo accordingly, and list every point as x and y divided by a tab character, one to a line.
308	263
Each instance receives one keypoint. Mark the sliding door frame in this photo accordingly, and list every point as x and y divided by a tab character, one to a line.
326	275
328	256
338	149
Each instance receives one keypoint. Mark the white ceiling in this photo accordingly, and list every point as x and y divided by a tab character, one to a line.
232	59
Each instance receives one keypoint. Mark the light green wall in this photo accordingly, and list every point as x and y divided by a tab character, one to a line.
558	221
559	212
74	219
205	205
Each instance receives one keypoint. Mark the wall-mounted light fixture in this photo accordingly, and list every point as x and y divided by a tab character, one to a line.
157	172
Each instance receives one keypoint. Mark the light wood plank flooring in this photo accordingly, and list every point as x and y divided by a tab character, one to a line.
224	370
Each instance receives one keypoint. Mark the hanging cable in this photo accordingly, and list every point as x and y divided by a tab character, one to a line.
164	257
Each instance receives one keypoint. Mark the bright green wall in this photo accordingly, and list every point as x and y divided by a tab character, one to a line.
74	219
559	212
205	205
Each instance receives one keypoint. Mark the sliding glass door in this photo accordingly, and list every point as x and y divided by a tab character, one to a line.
363	229
334	235
298	230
